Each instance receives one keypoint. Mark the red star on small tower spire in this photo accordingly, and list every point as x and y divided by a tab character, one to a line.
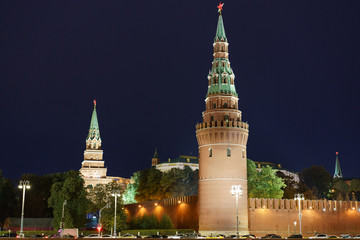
94	102
220	7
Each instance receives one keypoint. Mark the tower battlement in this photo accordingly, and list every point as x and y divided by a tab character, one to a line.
222	124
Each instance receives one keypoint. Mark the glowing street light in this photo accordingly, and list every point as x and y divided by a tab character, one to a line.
299	196
24	184
115	194
236	191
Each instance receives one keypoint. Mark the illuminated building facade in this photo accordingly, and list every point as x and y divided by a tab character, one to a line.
222	139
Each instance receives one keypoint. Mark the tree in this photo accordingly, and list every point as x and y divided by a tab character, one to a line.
152	184
265	183
191	181
131	189
173	183
317	179
100	196
290	187
341	189
69	187
355	187
149	185
165	222
8	201
36	203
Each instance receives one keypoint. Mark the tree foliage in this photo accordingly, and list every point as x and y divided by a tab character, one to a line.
165	222
8	201
36	203
151	222
69	186
131	189
263	183
101	197
317	179
156	185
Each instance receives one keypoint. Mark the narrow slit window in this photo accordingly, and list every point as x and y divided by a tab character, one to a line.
229	152
210	152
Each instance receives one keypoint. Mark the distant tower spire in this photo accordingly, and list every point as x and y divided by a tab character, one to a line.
92	169
155	160
93	140
338	173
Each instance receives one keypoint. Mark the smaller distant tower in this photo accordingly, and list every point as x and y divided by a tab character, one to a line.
338	173
92	169
155	160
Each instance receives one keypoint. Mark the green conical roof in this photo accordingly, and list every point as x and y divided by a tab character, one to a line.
94	131
220	31
156	154
221	77
338	173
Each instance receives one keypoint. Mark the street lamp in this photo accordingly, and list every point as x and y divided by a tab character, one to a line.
236	191
299	196
115	194
99	224
24	184
62	218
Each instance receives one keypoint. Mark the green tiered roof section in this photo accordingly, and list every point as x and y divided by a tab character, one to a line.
94	131
221	72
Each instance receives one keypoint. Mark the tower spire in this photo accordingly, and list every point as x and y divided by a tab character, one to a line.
94	131
220	30
338	173
221	77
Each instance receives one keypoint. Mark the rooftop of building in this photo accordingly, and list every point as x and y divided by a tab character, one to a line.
182	159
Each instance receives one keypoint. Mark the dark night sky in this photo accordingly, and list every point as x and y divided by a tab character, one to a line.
297	67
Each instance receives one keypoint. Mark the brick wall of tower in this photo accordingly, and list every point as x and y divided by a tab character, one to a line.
265	215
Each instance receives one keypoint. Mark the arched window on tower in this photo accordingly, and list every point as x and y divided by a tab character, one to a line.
212	117
210	152
228	152
243	153
225	106
214	105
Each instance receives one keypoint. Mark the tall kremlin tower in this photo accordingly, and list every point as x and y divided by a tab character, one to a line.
222	139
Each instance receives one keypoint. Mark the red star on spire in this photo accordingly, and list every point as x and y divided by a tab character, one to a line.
220	7
94	102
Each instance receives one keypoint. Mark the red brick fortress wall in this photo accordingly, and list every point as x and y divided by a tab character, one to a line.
322	216
265	215
183	211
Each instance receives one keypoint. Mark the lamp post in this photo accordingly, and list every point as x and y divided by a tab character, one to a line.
236	191
24	184
299	196
115	194
62	217
99	224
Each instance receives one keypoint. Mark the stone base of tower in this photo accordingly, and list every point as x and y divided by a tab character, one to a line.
217	207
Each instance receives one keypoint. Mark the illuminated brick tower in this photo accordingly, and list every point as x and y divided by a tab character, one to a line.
222	139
